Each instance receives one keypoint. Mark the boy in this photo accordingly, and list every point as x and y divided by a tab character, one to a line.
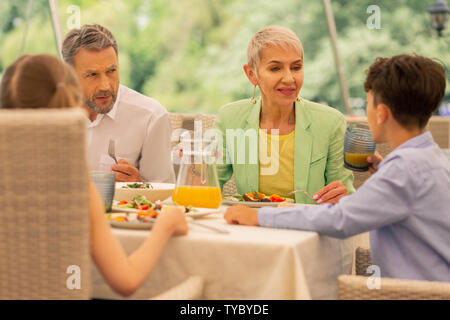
406	203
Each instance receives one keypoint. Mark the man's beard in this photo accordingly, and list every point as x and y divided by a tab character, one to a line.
101	110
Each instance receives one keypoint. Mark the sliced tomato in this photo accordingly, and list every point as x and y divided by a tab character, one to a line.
123	202
276	198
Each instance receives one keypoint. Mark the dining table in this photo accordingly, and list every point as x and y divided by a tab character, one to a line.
241	263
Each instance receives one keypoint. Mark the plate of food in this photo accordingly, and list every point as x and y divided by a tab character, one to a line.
257	200
153	191
126	220
141	204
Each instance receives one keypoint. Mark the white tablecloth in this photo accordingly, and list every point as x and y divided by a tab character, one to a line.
247	263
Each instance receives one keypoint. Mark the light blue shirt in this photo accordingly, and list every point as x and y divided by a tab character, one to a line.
406	204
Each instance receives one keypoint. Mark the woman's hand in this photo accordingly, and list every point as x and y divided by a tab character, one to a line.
331	193
374	161
172	221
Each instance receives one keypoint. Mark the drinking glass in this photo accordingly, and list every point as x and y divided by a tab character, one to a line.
197	182
105	183
358	145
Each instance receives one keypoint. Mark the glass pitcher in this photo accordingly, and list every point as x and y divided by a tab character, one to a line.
197	182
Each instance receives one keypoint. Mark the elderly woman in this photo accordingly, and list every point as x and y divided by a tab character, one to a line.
279	142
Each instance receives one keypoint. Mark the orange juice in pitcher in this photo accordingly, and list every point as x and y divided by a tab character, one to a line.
197	196
197	182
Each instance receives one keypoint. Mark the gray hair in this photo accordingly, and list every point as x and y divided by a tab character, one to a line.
271	36
93	37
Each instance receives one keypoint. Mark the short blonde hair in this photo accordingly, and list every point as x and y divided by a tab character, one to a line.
271	36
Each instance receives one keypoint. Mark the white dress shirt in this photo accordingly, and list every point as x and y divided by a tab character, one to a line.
141	129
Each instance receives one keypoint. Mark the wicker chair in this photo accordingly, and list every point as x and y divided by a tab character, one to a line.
440	129
356	288
176	122
363	260
44	229
206	119
190	289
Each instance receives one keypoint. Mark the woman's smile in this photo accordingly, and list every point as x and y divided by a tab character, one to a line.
287	91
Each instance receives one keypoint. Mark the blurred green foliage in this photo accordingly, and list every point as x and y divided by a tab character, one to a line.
189	54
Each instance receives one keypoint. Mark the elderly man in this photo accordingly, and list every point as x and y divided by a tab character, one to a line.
139	125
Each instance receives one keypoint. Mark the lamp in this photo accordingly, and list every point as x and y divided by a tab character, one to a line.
439	15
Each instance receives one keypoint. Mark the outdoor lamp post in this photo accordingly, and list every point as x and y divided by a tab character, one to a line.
439	15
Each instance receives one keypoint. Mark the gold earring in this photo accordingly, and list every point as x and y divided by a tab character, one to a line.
253	97
298	99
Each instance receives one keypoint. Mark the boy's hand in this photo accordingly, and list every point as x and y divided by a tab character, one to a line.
240	214
374	161
331	193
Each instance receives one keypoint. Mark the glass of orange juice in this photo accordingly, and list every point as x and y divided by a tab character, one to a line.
358	145
197	182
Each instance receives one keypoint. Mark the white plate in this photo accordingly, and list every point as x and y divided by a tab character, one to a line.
198	213
133	223
160	191
252	204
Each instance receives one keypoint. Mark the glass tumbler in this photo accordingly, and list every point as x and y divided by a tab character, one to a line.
358	145
105	183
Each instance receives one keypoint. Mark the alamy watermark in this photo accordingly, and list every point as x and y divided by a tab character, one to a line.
374	280
234	146
73	282
374	20
74	20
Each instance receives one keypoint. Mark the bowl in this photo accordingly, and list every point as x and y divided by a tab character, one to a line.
160	191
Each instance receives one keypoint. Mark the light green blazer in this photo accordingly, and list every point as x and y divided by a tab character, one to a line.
319	144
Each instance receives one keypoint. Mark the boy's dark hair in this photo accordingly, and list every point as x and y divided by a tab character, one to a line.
411	86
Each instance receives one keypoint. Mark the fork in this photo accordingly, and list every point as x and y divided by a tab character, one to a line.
303	191
112	149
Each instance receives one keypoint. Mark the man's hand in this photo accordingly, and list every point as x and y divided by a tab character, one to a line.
374	161
126	172
240	214
331	193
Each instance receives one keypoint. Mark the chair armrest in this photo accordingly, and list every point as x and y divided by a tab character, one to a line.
363	260
355	288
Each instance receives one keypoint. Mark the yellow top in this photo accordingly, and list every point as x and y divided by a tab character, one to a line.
276	170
